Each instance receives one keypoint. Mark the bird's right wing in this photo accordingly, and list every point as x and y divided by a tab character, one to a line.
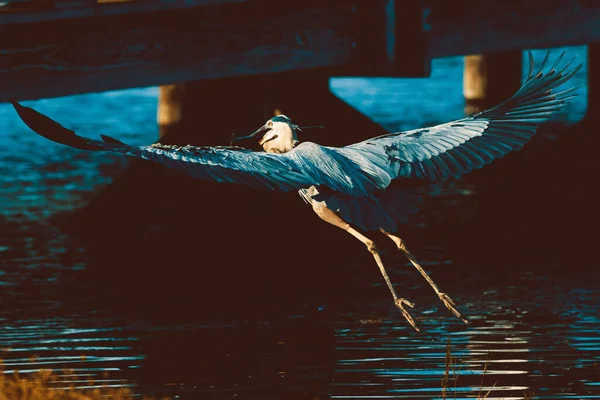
306	165
228	165
221	164
458	147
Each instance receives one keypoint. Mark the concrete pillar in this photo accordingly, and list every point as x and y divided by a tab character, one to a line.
170	107
490	79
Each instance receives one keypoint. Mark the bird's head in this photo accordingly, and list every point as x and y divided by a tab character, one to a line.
277	135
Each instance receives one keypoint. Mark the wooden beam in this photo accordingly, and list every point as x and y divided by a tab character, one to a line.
472	27
85	10
153	48
393	40
149	43
114	51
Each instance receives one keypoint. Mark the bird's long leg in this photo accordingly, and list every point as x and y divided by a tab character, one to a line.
448	302
328	215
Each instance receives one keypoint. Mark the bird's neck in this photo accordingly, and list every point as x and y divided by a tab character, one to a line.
279	141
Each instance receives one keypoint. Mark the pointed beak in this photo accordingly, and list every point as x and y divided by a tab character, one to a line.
259	130
253	134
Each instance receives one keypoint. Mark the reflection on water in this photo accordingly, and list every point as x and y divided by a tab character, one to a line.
530	291
517	352
79	355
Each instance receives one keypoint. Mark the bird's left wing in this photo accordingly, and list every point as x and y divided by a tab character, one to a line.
455	148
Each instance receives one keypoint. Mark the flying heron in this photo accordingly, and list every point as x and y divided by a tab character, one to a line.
348	187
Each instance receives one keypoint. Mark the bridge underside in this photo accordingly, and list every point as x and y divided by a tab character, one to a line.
79	47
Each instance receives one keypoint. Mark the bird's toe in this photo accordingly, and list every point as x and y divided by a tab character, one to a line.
449	303
400	304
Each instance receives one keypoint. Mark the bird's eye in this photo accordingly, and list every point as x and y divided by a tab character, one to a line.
269	124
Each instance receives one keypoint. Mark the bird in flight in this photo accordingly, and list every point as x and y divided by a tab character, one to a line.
349	187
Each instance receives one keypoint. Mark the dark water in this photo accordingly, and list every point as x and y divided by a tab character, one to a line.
510	244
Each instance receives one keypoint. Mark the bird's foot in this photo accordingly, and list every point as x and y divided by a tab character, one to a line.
449	303
400	304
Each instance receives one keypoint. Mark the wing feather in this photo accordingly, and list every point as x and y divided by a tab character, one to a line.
455	148
229	165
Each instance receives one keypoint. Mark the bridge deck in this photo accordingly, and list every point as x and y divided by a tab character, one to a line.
53	48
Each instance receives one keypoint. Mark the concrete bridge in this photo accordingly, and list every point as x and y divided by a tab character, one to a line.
51	48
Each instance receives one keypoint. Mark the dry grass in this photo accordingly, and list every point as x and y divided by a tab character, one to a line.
451	375
45	385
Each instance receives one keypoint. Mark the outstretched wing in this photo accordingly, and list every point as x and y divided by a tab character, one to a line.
458	147
306	165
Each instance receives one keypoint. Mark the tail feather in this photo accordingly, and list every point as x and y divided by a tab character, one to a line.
52	130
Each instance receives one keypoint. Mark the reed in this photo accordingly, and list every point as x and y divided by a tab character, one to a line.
452	373
46	385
